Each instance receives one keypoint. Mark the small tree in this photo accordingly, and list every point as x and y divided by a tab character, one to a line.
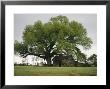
93	59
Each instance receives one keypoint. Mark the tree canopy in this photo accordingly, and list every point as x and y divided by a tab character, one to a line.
57	36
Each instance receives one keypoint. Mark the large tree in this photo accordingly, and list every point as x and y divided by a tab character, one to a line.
58	36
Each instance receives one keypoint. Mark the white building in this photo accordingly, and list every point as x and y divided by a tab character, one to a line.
29	60
18	59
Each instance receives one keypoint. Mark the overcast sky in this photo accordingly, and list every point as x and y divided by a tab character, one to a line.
89	21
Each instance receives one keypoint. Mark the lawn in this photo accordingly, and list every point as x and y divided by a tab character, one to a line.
54	71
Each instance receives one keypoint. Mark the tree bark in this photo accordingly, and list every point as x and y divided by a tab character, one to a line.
60	60
48	61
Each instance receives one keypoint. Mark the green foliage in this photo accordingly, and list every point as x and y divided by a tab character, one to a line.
20	48
93	59
56	36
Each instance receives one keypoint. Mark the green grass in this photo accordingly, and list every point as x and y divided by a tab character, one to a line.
54	71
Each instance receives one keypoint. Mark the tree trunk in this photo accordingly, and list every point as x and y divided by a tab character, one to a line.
60	60
49	61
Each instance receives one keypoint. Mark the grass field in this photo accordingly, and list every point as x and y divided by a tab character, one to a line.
54	71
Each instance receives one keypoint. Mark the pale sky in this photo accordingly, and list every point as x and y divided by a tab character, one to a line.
89	21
